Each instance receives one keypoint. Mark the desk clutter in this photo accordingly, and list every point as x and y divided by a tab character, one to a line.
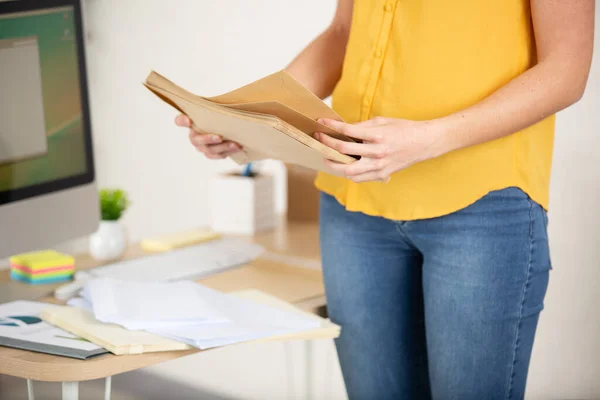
151	304
42	267
128	317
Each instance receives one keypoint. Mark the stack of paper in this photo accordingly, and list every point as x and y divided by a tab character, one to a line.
147	305
274	117
189	312
120	341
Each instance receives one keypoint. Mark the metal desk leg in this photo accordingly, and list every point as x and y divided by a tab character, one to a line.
309	355
330	358
107	386
289	369
70	391
30	389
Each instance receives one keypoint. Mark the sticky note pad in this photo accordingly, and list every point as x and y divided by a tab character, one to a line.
40	280
42	259
177	240
42	267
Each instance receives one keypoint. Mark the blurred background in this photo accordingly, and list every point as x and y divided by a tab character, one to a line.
211	47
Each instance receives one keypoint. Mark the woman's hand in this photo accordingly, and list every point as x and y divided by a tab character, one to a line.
212	146
388	145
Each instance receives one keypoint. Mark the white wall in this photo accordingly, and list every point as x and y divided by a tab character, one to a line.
208	47
213	46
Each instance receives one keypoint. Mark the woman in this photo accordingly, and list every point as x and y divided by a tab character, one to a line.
439	275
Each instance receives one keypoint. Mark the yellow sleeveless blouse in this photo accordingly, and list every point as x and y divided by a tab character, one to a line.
424	59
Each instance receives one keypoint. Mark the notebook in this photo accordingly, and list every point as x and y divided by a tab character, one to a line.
21	327
272	118
119	340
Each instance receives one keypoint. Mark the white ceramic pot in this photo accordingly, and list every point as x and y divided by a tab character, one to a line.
109	242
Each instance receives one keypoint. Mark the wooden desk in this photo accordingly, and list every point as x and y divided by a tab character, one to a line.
300	286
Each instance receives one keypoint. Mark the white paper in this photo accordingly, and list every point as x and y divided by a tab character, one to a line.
146	305
80	302
248	321
188	312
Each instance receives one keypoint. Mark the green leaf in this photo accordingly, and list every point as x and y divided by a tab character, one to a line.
113	203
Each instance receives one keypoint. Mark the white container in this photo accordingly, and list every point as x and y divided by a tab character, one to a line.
109	242
242	205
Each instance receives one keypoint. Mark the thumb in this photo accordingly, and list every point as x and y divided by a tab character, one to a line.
183	121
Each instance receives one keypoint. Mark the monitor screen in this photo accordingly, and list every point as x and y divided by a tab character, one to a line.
45	141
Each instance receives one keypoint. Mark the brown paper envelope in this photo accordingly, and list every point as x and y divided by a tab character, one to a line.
292	117
261	136
283	88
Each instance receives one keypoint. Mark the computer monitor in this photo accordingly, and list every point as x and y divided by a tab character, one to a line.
47	186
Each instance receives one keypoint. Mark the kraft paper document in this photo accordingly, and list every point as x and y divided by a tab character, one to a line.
272	118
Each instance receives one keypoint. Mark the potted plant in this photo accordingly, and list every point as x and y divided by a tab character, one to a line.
109	242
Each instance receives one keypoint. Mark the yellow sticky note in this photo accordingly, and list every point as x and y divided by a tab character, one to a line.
42	259
177	240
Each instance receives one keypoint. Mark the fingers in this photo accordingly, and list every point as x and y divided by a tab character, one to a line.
216	152
356	149
218	156
212	146
358	131
203	139
183	121
371	177
362	166
377	121
196	137
223	148
363	170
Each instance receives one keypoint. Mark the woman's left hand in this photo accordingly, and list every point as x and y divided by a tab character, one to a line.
388	145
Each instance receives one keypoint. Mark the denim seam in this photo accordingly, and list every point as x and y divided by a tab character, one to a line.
398	225
523	297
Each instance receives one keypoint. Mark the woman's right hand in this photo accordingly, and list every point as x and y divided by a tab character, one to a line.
212	146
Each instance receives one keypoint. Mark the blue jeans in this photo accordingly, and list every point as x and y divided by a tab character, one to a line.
443	308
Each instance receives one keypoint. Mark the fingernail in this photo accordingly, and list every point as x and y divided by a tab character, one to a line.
317	136
232	146
215	139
